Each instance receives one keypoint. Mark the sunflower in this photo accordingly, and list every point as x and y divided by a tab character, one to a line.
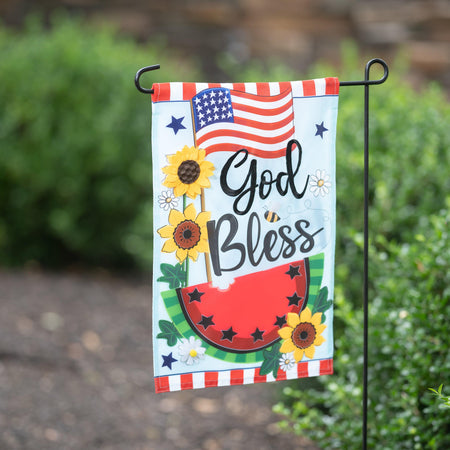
188	172
187	234
302	334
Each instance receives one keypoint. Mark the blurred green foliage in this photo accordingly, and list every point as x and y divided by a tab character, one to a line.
408	352
75	145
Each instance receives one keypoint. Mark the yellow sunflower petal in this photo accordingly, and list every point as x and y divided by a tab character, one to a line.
298	354
169	246
320	328
190	212
305	315
179	189
309	352
287	346
202	246
202	218
293	319
204	182
316	319
181	254
166	231
319	340
285	332
192	190
193	254
176	217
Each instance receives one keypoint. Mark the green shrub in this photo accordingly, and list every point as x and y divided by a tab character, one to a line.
409	351
75	145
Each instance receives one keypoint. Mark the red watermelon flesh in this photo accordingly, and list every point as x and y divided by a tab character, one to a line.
246	317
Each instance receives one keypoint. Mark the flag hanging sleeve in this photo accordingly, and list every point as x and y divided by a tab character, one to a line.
244	232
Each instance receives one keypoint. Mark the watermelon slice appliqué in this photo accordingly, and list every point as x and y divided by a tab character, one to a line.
246	317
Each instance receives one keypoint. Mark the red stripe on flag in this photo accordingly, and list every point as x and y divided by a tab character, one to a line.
257	98
309	88
285	86
251	137
326	367
332	86
236	377
263	125
186	381
281	375
258	377
269	154
189	90
239	87
302	370
162	384
262	88
211	379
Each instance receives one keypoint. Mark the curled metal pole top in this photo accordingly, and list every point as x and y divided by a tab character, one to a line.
366	82
138	76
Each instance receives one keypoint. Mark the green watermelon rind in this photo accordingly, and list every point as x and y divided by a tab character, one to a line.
170	298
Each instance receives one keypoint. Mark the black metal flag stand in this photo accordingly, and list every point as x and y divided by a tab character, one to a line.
366	83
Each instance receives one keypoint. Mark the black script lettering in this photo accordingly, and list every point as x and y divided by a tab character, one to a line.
253	230
290	249
308	244
213	238
265	183
245	193
241	192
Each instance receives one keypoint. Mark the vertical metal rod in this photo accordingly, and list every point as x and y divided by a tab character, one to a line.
366	260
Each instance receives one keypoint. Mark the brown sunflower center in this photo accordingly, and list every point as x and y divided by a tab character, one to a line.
303	335
187	234
188	171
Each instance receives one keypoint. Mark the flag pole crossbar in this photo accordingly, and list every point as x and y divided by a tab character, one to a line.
367	82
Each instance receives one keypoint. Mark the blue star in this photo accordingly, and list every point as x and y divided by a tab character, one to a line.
168	360
176	124
320	130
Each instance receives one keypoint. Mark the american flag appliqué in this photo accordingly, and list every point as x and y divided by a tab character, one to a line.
227	120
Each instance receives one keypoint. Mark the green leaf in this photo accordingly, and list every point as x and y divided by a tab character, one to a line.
169	332
271	360
174	275
321	303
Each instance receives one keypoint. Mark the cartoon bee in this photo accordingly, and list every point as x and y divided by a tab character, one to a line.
271	216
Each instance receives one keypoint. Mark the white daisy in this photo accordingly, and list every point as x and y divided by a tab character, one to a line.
287	361
320	183
167	200
191	351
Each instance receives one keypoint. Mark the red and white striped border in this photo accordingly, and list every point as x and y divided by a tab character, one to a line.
199	380
164	92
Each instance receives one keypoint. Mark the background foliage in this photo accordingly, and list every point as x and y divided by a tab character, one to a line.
75	187
75	145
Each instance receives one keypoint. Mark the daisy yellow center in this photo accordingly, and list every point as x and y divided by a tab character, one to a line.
320	183
193	353
287	361
168	199
188	171
303	335
186	234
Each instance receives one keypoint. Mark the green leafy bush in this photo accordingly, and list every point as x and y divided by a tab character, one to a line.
75	145
409	351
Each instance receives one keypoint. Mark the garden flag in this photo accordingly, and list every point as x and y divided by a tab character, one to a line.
244	232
